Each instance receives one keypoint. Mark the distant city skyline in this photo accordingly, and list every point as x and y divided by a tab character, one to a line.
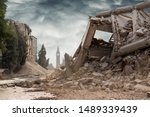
59	22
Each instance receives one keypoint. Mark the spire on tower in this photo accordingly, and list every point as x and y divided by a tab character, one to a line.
57	50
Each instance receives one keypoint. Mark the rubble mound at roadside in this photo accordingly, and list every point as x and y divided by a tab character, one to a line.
121	63
131	72
32	68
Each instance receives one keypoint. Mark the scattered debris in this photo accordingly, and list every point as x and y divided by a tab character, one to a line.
130	34
121	64
148	94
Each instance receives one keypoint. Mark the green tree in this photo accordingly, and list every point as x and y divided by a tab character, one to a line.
12	44
42	57
2	8
16	50
2	23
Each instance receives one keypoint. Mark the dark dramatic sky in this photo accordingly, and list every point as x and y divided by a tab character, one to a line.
59	22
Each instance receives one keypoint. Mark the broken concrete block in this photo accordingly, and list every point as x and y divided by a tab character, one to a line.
86	65
68	84
137	66
81	86
142	87
140	32
116	60
119	85
103	59
148	94
138	81
108	75
148	76
86	81
69	71
111	86
97	74
108	72
124	33
128	86
104	65
148	83
10	85
128	70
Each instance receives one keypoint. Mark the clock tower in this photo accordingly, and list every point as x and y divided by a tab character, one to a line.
57	58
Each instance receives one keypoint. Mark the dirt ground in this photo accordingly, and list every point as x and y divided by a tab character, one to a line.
97	94
127	79
86	84
42	91
73	94
19	93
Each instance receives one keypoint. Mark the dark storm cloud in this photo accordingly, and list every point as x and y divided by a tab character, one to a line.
57	9
59	22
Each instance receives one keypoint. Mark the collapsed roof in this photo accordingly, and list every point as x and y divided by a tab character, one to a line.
130	29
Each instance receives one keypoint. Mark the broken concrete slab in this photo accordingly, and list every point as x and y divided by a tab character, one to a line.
104	65
142	87
138	81
97	74
148	94
125	30
128	69
69	70
122	10
85	81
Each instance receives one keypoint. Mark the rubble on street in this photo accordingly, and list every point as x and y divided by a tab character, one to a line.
117	68
120	64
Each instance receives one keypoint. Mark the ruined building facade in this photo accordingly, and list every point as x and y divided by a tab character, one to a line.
57	58
34	48
130	29
25	31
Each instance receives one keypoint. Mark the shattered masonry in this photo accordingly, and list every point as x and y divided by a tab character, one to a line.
130	28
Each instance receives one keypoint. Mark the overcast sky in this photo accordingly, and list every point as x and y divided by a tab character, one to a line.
59	22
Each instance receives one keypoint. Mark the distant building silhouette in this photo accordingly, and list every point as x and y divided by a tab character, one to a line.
57	58
34	48
50	66
63	62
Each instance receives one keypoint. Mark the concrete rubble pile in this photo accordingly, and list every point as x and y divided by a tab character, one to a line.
121	63
130	29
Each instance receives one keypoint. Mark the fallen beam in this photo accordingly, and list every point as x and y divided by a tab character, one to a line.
102	24
77	51
80	59
126	9
87	38
86	42
142	5
124	50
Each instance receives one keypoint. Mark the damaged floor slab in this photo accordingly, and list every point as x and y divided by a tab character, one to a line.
130	29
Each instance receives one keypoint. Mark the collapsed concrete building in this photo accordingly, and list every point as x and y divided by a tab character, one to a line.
130	28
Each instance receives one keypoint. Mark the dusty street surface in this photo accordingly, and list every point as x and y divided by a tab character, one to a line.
23	89
83	88
18	93
96	94
128	79
85	85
